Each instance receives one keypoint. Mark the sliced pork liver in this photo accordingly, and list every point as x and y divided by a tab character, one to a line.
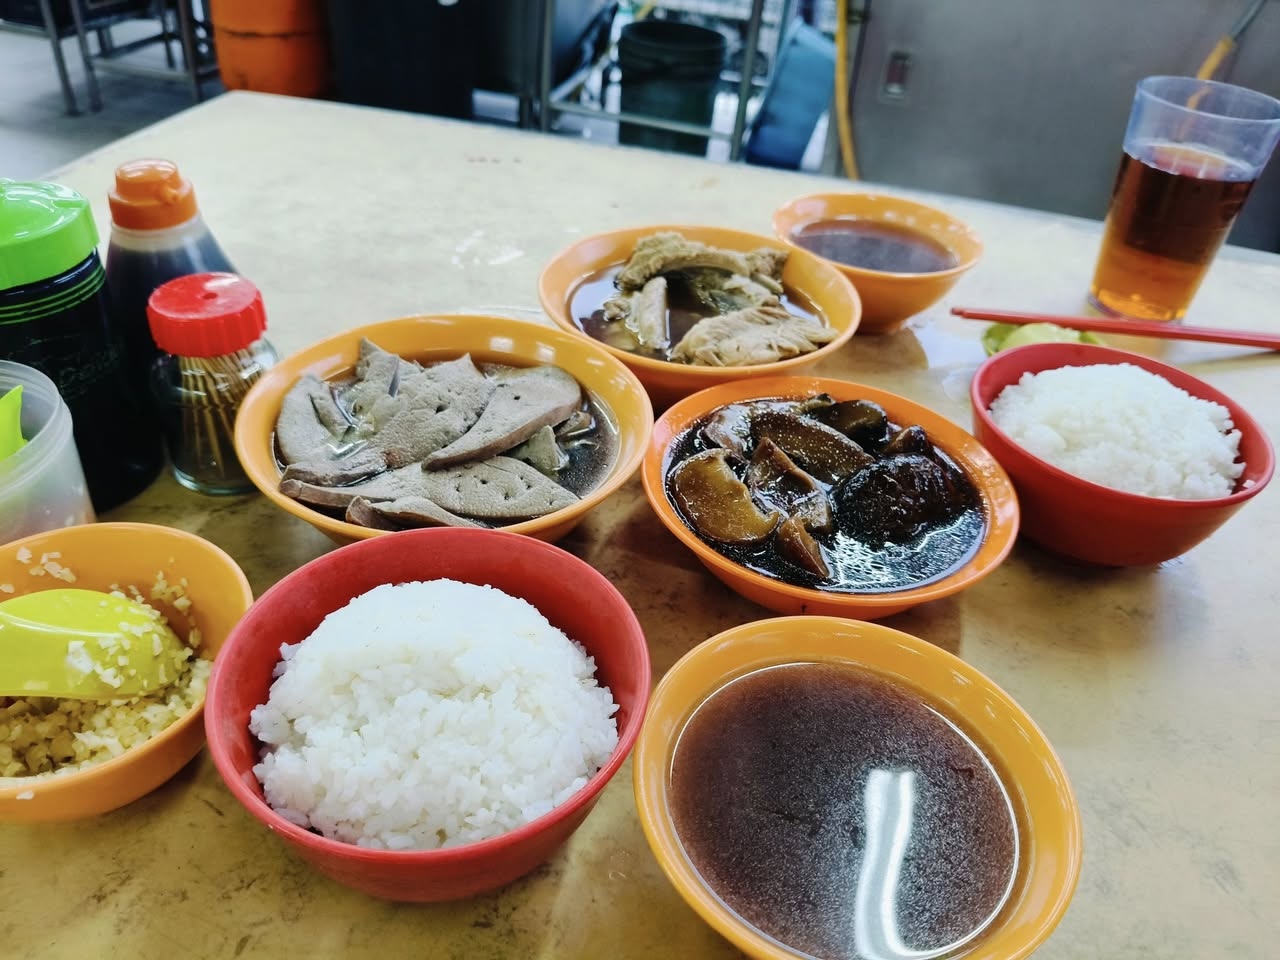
337	472
301	433
416	512
362	512
497	489
436	407
523	401
407	481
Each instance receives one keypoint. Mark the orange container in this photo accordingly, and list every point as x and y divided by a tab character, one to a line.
278	47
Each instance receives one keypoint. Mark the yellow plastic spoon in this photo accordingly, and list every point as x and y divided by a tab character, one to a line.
11	439
85	645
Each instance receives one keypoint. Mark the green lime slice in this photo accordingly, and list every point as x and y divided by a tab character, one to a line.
1003	336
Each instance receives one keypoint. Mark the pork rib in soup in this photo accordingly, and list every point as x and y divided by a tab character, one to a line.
686	302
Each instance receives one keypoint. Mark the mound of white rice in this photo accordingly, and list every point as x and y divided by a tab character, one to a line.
1123	427
430	714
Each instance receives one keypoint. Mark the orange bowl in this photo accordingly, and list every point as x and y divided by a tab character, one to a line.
999	504
810	279
1086	521
572	595
1045	809
435	338
129	554
888	299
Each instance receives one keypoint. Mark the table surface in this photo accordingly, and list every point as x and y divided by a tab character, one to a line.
1157	686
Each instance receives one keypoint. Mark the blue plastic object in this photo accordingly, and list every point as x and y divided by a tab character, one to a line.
795	99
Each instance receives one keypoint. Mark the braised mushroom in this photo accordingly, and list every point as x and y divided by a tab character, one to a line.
894	499
776	481
821	450
797	545
862	421
910	439
730	427
716	503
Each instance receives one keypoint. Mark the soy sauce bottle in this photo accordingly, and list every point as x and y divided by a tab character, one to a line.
157	235
55	315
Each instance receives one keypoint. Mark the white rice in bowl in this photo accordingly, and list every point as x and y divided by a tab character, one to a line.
430	714
1123	427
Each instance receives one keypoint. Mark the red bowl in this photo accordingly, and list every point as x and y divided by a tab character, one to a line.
1087	521
568	592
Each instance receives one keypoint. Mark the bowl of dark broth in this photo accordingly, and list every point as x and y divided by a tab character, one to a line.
829	788
815	495
875	245
902	256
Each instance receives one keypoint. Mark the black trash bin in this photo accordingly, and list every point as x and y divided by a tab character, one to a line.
412	55
670	70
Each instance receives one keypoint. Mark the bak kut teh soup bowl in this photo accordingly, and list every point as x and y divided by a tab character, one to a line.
211	594
573	597
1073	517
625	413
874	912
576	282
996	506
889	299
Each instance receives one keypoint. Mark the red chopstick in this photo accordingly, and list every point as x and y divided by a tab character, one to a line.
1141	328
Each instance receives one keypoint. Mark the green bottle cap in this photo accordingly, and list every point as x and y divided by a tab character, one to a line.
45	229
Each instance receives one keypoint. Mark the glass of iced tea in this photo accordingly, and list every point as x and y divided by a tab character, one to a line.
1192	151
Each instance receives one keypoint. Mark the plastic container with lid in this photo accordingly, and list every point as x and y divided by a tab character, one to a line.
157	234
42	485
55	316
209	328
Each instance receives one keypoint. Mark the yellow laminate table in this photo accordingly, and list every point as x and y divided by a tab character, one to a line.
1157	686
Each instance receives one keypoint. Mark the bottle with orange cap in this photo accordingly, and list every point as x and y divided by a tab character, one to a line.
157	234
209	328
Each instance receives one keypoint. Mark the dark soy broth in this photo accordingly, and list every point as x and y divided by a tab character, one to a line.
875	245
683	311
840	815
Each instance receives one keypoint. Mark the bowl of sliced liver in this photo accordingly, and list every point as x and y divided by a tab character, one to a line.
453	420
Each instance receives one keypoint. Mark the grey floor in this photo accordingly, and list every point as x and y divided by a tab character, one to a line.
37	134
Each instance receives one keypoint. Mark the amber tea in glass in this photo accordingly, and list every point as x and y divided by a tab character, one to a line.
1192	152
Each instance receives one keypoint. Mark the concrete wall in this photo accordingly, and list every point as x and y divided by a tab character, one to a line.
1025	101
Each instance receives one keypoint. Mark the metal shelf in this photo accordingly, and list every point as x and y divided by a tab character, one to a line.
557	100
194	34
198	66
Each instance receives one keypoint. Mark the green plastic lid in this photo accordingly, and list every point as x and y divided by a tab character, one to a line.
45	229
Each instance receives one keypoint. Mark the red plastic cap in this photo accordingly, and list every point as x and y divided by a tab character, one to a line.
206	315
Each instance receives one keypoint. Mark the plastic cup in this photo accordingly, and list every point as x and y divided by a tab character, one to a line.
42	485
1192	152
